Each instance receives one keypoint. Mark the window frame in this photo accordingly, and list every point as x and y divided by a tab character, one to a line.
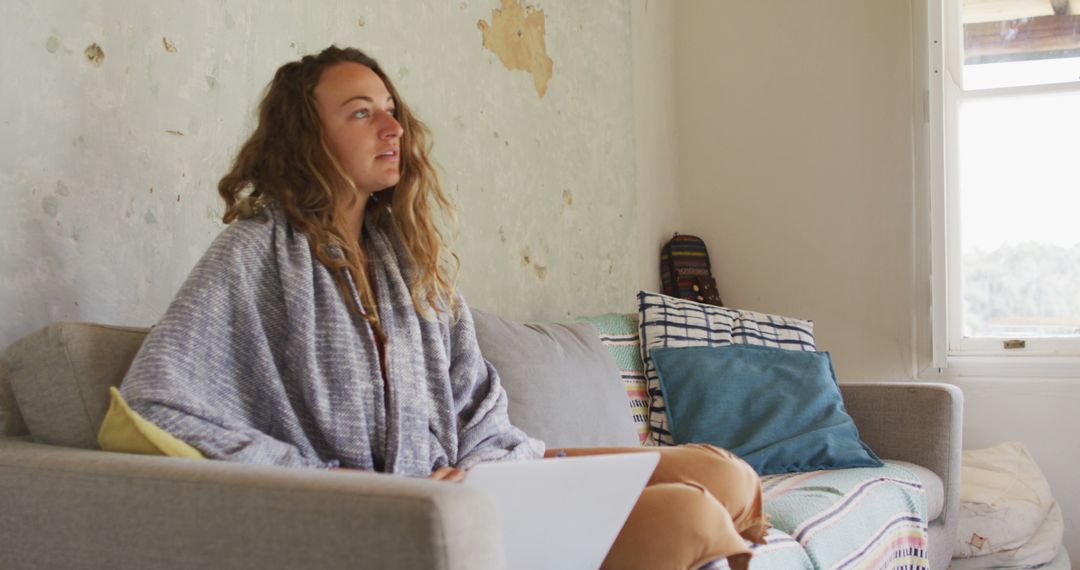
952	354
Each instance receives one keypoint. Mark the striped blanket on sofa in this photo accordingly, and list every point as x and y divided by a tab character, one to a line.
865	518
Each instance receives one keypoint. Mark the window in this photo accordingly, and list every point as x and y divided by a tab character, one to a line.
1007	190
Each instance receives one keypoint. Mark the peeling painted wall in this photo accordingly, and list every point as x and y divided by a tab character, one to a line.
516	35
119	120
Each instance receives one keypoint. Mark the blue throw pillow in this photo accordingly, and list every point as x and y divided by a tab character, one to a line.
780	410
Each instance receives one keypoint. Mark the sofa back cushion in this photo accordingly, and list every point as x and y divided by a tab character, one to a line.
11	420
60	378
562	383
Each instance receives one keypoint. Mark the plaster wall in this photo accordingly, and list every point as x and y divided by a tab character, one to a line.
109	164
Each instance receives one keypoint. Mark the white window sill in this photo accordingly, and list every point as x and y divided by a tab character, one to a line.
967	366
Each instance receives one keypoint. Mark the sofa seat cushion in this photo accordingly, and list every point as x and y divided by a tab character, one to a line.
932	487
780	552
873	517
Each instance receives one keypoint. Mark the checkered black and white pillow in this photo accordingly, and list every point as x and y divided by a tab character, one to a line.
670	322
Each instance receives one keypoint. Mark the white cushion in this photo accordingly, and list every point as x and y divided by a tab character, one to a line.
1006	500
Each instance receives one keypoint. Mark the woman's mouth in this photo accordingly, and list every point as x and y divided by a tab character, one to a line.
391	154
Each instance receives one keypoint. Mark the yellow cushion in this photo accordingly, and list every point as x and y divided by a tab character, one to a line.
126	431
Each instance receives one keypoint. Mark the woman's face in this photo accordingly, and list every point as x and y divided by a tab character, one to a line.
357	115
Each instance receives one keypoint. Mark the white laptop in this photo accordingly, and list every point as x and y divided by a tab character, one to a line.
563	513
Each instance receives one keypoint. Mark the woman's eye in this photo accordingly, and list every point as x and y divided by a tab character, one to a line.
361	113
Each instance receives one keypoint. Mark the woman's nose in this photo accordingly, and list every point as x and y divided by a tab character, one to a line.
391	128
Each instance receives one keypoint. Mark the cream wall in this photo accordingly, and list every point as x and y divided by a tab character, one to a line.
802	162
108	170
655	137
795	163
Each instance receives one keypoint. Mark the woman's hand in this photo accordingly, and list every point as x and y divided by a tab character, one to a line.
450	474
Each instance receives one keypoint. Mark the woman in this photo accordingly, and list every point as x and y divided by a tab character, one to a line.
321	329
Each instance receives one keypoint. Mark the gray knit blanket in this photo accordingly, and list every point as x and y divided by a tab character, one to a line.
259	360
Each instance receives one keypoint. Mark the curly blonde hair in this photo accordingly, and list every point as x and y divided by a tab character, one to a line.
287	162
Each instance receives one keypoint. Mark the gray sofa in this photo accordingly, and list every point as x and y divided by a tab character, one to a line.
66	504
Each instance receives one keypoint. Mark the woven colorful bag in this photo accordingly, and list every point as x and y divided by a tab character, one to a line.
685	271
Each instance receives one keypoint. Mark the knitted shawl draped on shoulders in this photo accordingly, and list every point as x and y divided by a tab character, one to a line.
259	360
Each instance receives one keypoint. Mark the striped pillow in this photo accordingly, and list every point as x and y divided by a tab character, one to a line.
670	322
619	333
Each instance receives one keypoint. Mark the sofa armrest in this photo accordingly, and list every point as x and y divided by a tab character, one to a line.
918	422
65	507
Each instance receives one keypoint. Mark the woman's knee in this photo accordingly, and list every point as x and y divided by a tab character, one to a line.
675	525
727	477
682	509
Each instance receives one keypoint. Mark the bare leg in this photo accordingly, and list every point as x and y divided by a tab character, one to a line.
699	505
